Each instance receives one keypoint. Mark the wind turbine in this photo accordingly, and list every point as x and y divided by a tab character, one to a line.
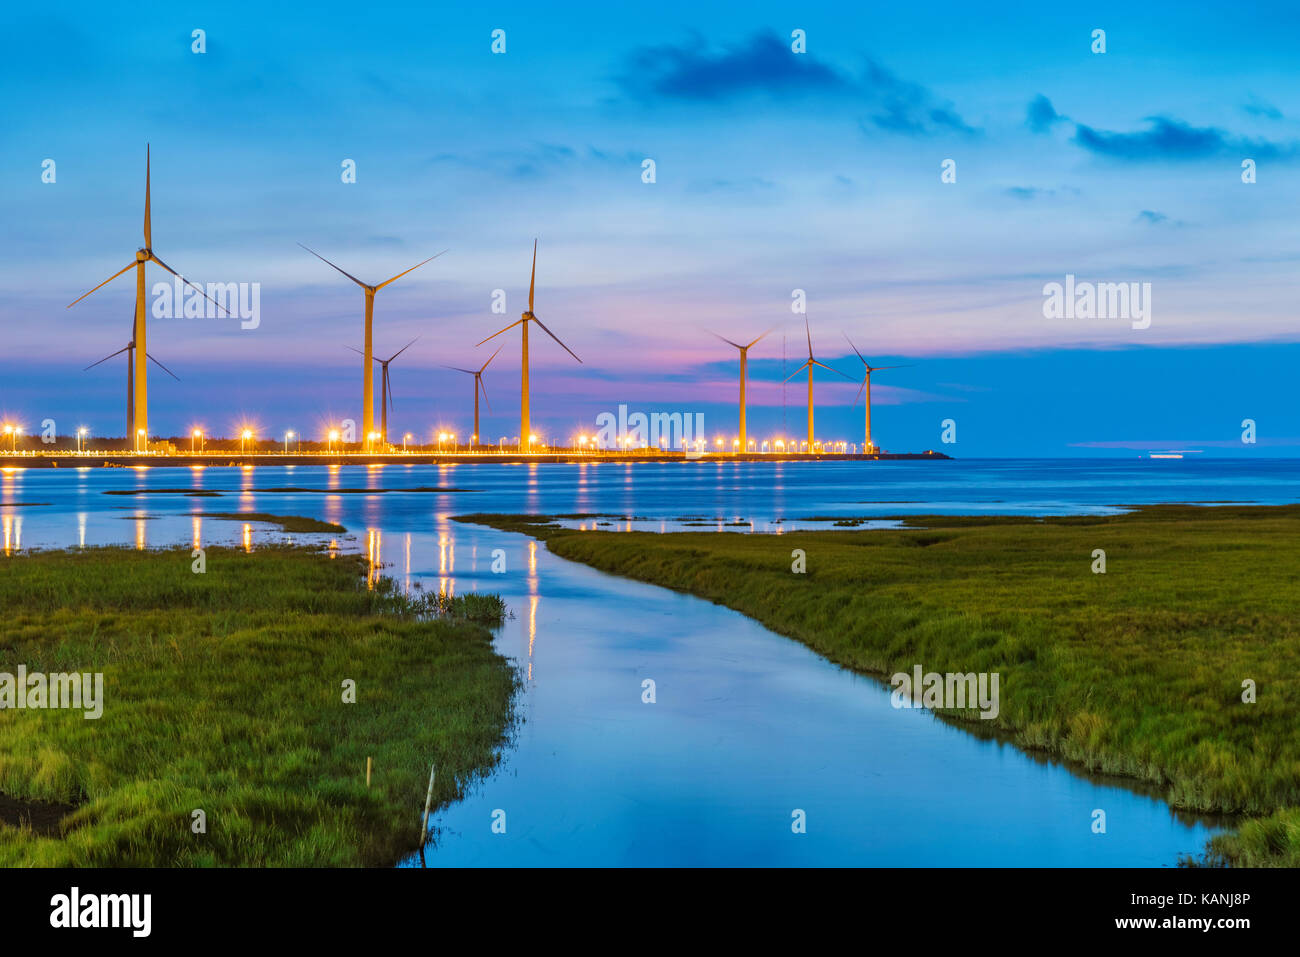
129	349
478	384
868	446
524	438
744	358
808	364
385	389
368	376
143	255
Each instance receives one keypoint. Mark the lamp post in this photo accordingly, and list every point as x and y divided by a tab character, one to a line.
332	438
405	438
287	437
244	436
140	440
196	437
81	433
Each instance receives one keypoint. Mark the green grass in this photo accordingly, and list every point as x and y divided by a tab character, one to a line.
1135	672
288	523
223	692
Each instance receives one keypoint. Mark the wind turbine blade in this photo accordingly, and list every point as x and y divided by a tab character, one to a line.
859	395
163	367
479	379
878	368
459	369
797	371
760	338
328	263
495	334
354	349
388	386
554	336
403	349
533	282
829	369
490	358
405	271
726	340
106	358
808	330
188	283
148	226
104	283
855	348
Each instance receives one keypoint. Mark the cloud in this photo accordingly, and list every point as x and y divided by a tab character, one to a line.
1174	140
764	65
1153	218
690	71
1262	109
1027	193
1041	116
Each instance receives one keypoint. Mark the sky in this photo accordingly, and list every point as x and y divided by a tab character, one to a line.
774	172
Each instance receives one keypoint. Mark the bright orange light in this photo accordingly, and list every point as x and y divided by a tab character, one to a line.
247	434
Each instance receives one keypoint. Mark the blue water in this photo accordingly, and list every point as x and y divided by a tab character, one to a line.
748	727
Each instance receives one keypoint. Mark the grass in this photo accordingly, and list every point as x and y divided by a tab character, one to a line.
224	692
288	523
1136	672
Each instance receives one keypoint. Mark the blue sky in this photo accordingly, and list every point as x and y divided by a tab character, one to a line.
774	172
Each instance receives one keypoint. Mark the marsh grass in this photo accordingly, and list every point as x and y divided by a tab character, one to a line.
1136	672
223	692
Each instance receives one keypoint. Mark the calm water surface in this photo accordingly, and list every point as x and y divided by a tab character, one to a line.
748	727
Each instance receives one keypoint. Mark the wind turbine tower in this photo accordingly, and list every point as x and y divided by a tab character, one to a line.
524	428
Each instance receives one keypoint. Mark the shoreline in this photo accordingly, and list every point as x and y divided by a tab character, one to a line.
75	460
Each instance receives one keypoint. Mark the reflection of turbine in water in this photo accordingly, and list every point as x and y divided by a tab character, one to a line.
374	544
532	631
13	532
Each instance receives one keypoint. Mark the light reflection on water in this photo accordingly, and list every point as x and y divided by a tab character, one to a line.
747	726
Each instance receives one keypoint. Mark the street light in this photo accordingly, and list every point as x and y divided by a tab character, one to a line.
287	437
404	440
196	437
244	436
140	440
333	437
80	435
12	431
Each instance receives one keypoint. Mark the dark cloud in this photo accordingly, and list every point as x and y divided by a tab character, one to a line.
764	65
691	71
1262	109
1041	116
1169	139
